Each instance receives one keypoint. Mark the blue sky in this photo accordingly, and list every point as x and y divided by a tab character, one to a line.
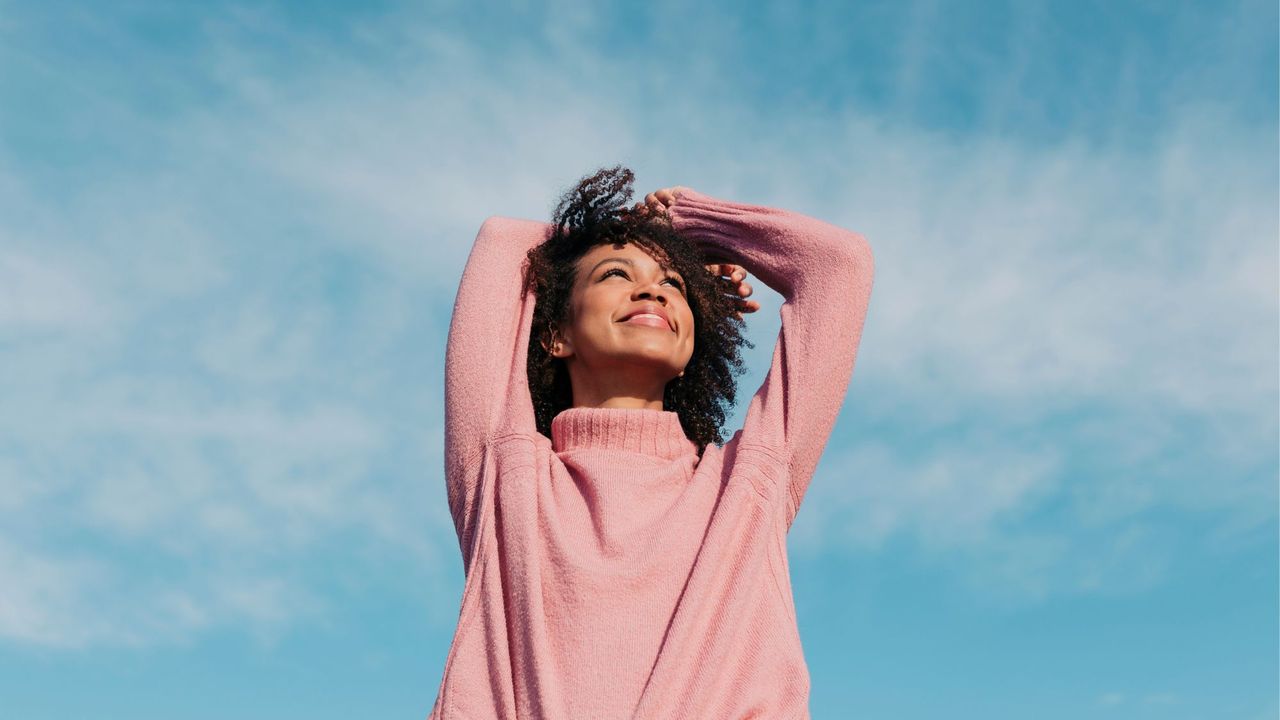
230	237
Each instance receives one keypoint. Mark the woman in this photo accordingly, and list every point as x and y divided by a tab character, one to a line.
620	562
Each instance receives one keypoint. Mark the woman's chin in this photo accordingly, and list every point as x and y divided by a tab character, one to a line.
657	364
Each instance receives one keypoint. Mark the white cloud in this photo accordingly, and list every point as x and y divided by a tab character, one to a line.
948	497
1113	699
39	594
37	294
59	601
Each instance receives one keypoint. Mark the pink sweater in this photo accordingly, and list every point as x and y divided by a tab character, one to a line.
610	572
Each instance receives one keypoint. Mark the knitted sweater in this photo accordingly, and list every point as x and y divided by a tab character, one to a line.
611	572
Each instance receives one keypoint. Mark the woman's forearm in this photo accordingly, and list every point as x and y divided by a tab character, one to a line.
824	273
787	251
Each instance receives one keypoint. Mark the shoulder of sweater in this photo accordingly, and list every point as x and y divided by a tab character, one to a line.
498	222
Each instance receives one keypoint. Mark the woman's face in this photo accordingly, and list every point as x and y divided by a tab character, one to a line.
627	315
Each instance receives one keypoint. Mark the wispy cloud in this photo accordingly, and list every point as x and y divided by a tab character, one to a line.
1108	312
1113	699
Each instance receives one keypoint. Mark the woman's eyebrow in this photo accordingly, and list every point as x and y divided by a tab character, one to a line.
613	259
627	262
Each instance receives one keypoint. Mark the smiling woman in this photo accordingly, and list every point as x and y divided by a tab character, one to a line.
620	561
614	357
604	263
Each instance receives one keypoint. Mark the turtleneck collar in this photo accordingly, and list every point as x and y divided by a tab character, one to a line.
652	432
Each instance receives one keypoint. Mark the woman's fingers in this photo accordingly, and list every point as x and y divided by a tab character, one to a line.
664	197
653	205
658	201
736	274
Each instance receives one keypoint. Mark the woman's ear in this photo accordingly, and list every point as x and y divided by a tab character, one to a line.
555	345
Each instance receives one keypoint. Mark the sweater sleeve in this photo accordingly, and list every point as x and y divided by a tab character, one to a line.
486	391
824	274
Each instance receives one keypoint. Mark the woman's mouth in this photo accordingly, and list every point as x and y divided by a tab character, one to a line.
647	319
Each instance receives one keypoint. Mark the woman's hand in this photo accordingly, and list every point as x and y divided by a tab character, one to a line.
658	201
734	277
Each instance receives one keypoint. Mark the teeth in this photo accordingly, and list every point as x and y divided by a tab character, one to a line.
633	317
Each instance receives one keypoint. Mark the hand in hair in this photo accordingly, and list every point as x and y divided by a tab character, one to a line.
735	276
657	202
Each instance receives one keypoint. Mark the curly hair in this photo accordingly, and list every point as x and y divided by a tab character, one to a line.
595	213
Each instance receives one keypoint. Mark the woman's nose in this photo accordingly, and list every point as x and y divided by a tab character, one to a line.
652	290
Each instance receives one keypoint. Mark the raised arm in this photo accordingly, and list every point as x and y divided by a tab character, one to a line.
824	274
485	387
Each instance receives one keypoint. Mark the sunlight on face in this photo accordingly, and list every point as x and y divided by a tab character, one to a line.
615	282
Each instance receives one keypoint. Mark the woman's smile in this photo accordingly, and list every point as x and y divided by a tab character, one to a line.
649	320
622	284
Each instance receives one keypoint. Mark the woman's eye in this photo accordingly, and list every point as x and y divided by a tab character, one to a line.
674	281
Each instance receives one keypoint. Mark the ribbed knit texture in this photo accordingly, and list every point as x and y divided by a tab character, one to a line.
610	571
637	431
